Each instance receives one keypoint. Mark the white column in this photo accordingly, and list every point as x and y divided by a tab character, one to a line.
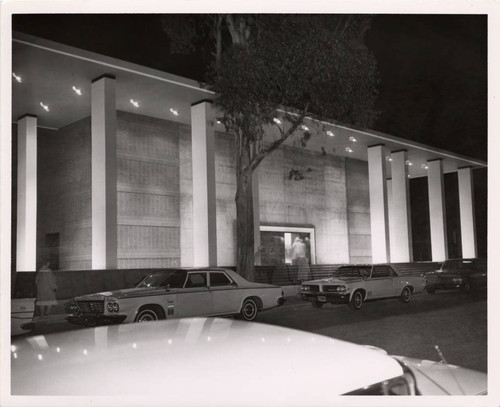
467	219
378	204
401	240
204	199
104	196
390	215
437	212
256	217
26	193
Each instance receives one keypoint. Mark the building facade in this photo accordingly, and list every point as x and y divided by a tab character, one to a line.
122	166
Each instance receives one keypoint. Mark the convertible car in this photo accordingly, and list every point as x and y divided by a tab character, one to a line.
177	293
220	362
356	284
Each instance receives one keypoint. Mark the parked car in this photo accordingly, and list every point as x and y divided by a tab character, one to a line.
464	274
355	284
176	293
221	362
22	312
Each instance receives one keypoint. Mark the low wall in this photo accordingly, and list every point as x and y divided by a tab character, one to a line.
72	283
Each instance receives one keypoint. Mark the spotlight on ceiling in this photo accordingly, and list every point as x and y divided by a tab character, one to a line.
408	162
304	127
77	90
17	77
174	112
351	138
134	102
330	133
45	107
388	158
349	149
276	120
425	166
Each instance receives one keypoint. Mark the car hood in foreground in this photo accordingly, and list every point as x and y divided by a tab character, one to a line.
192	361
438	378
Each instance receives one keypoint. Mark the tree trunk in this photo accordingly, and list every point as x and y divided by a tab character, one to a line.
245	226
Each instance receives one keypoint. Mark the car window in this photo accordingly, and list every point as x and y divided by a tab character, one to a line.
219	279
196	280
348	272
381	271
156	279
175	280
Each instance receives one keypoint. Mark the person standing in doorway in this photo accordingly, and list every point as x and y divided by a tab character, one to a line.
299	258
46	286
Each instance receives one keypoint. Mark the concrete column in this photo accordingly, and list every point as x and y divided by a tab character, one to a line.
26	193
467	219
104	200
437	212
204	198
390	215
401	240
378	204
256	217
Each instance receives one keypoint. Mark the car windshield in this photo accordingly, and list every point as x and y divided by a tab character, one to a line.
352	272
164	278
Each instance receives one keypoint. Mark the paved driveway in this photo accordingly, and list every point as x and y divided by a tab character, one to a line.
455	321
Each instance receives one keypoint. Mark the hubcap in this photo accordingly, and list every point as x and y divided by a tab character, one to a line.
357	300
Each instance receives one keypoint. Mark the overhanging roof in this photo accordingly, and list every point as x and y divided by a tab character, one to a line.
50	70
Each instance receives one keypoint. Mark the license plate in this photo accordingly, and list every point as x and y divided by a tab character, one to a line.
321	298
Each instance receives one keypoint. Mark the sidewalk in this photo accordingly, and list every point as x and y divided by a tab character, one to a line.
58	312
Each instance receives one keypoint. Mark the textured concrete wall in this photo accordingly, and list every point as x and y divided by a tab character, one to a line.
148	192
358	211
318	200
64	204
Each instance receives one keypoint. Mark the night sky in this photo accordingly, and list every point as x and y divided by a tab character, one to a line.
433	69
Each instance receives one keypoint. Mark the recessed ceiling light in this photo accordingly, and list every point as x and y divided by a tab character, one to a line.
408	162
425	166
351	138
330	133
276	120
77	90
17	77
45	107
218	122
388	158
304	127
174	112
134	102
349	149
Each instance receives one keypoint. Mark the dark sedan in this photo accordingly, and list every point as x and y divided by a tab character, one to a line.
464	274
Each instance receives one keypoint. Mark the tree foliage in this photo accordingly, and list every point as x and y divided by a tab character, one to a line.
276	70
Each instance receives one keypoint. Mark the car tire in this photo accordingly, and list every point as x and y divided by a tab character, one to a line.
149	313
405	296
249	309
317	304
356	300
430	289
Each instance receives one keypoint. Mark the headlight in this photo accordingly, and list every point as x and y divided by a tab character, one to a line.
457	280
341	289
306	288
113	307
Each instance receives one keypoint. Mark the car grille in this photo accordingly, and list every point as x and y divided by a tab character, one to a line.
313	288
330	288
95	307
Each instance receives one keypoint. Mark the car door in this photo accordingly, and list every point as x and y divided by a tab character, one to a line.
380	283
195	299
226	296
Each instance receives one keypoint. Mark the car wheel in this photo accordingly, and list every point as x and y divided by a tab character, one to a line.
405	295
356	300
317	304
466	287
249	309
149	314
430	289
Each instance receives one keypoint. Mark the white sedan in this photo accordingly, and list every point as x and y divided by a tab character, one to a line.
177	293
